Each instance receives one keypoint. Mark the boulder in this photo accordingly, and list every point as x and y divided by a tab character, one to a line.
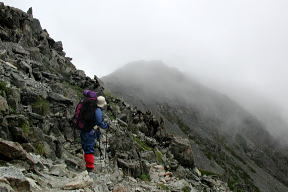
80	73
19	50
58	46
12	150
18	81
182	185
25	67
132	167
13	99
15	178
182	151
3	104
49	75
5	186
82	181
59	170
59	98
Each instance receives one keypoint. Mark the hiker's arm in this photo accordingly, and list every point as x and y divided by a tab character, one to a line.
99	119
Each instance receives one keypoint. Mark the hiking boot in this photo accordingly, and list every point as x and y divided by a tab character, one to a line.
89	169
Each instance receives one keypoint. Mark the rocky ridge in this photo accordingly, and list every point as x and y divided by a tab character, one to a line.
39	151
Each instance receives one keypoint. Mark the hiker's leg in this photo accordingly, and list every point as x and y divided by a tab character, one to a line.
89	159
88	144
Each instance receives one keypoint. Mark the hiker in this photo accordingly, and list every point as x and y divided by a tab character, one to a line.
90	119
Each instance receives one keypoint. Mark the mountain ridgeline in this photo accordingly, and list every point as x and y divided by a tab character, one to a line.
226	140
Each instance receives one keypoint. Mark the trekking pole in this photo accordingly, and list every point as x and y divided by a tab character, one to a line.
100	151
106	144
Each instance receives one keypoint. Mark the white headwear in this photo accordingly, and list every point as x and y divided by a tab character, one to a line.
101	102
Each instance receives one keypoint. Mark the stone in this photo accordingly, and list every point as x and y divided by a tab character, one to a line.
58	46
182	151
16	178
5	186
19	135
25	67
131	167
12	150
13	99
19	50
198	173
120	189
6	63
79	182
28	96
80	73
3	104
180	184
3	53
49	75
59	170
148	155
59	98
30	12
18	81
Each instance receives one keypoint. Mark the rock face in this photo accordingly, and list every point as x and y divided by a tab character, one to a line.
39	89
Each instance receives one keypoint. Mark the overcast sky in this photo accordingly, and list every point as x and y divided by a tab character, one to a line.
232	43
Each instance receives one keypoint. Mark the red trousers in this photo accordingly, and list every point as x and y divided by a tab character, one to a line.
89	159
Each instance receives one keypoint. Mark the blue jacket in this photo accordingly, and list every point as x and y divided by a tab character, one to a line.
88	138
99	119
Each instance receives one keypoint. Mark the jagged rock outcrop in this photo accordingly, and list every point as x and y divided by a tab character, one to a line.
39	88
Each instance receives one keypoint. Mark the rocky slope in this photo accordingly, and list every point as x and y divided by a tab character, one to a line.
39	151
227	141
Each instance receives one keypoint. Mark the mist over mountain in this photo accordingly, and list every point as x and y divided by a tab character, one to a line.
155	83
210	119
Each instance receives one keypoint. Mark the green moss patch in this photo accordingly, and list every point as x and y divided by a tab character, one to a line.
25	128
40	148
145	177
4	90
159	157
41	106
163	187
142	144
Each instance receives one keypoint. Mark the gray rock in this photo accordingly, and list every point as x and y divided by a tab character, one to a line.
59	98
13	99
132	167
3	104
16	178
182	151
19	50
59	170
80	73
18	81
25	67
58	46
148	155
13	150
80	182
49	75
5	186
30	11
